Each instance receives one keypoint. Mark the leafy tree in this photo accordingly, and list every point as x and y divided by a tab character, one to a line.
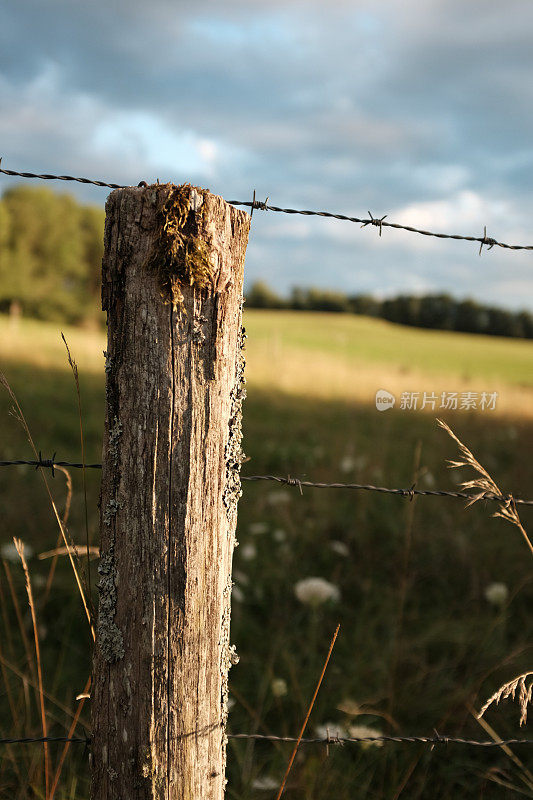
436	311
50	254
318	300
260	295
324	300
298	299
364	304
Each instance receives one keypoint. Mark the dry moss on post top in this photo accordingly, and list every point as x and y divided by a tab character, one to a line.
180	255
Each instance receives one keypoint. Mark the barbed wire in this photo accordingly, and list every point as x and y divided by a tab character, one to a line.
378	222
60	178
45	739
51	463
341	740
410	493
330	740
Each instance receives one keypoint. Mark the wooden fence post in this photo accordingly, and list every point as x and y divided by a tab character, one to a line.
172	288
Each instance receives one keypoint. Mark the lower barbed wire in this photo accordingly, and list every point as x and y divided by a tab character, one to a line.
300	484
330	740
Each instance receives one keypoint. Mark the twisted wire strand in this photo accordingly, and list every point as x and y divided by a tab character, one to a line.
330	740
60	178
49	463
43	739
431	740
410	493
379	222
300	484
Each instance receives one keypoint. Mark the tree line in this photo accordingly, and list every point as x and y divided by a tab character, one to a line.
51	251
439	311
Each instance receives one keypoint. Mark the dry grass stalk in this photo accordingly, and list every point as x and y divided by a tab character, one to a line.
19	416
94	552
74	368
70	734
525	775
20	550
64	520
306	720
486	484
525	695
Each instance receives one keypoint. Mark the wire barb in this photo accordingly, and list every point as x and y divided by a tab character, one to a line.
48	463
486	240
377	221
294	482
255	204
410	493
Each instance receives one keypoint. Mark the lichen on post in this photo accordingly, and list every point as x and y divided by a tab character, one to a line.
172	288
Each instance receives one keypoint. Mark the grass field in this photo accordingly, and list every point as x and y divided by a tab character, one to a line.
419	645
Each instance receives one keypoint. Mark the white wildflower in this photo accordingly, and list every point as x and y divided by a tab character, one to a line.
347	464
9	553
279	535
428	479
257	528
350	707
248	551
279	498
365	732
333	730
265	784
315	591
496	594
339	548
279	687
230	703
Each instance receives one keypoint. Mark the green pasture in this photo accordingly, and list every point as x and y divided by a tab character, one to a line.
420	646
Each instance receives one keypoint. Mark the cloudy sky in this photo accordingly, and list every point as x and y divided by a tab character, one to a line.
419	110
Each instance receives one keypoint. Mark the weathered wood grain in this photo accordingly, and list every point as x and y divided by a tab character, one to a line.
170	485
